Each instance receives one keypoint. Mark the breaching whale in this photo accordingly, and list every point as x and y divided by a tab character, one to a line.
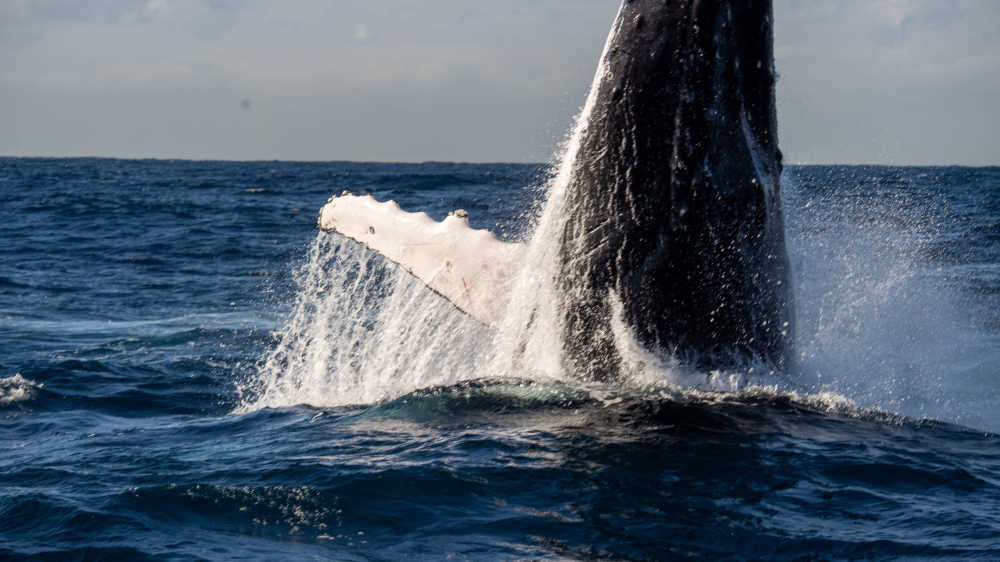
672	216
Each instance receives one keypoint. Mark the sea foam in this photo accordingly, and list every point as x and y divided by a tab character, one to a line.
17	389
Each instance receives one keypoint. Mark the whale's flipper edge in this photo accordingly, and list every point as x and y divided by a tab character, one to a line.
470	268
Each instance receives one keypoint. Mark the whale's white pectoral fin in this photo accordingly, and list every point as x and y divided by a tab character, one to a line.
470	268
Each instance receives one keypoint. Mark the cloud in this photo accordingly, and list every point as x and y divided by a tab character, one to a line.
896	82
446	79
900	81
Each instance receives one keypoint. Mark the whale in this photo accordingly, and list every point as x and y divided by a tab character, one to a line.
674	210
672	221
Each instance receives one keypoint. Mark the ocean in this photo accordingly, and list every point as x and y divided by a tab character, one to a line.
191	370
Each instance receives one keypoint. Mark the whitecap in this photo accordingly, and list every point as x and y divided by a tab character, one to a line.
17	389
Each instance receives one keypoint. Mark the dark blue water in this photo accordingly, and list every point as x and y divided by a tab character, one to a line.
138	300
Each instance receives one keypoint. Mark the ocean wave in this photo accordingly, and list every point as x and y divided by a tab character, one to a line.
752	408
269	510
17	389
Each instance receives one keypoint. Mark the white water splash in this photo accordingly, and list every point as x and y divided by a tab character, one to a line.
362	330
17	389
529	338
875	322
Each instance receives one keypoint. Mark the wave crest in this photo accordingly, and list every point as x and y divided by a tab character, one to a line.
17	389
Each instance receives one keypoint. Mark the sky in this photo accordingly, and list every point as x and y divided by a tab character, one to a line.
889	82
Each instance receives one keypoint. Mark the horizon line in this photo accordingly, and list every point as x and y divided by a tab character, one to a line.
435	161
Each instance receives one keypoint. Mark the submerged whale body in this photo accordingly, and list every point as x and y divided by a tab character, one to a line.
671	220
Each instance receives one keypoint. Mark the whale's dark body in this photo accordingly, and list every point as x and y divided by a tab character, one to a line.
673	208
671	219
